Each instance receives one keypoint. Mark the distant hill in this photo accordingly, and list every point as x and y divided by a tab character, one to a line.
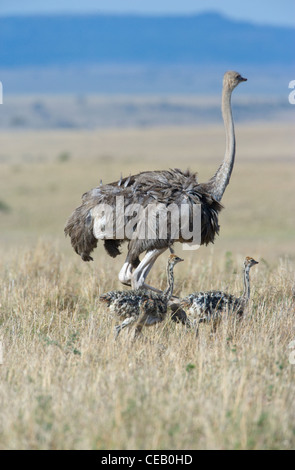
92	111
103	39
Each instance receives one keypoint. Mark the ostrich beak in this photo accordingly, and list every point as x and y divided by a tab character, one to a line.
242	79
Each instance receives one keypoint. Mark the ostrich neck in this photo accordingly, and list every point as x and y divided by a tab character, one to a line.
246	293
221	178
170	282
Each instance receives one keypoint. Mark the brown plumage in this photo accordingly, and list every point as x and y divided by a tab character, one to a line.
164	187
87	223
141	306
210	306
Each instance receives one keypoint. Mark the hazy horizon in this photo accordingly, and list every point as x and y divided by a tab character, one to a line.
268	12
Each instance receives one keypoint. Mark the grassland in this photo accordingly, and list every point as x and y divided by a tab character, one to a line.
65	383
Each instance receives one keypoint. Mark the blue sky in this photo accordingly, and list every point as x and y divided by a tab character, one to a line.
277	12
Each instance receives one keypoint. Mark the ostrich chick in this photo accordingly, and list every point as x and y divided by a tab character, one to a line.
141	305
210	305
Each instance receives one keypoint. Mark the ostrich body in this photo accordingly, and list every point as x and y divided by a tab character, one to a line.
86	225
210	305
142	305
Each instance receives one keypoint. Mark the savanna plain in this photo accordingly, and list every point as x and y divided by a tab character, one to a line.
65	383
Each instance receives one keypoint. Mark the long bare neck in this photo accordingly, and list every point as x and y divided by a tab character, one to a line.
246	293
170	282
221	178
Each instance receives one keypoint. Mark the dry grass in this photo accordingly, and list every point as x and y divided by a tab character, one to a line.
65	383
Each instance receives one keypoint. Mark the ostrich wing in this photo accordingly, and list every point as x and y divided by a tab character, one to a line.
88	223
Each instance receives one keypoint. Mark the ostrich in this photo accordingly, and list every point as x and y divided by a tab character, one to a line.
209	306
142	306
87	223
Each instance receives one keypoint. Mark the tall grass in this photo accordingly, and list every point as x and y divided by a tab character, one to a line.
66	384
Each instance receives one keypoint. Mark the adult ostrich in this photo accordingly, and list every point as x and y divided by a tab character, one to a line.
87	223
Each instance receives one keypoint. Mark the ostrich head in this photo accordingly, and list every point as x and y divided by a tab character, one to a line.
231	79
249	262
173	259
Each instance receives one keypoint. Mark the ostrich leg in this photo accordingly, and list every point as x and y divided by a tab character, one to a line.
125	274
137	278
140	273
